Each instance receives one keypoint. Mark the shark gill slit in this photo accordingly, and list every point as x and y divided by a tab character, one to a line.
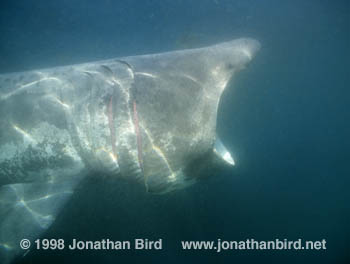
111	125
138	136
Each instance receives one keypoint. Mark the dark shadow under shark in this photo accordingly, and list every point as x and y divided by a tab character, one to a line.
149	118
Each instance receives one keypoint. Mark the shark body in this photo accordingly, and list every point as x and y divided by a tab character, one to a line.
149	118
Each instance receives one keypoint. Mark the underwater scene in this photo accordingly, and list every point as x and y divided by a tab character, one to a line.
176	131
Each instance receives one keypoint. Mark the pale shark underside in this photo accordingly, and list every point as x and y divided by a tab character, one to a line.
150	118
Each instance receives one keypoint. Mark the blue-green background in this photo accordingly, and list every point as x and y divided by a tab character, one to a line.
285	119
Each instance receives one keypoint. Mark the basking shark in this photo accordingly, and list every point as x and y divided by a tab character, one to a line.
148	118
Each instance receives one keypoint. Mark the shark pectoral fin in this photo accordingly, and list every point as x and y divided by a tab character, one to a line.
27	210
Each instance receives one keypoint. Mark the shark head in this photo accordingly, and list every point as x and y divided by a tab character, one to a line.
175	98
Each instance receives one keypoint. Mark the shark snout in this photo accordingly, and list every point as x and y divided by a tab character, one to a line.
249	47
253	46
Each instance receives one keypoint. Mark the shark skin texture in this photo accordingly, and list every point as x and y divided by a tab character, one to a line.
149	118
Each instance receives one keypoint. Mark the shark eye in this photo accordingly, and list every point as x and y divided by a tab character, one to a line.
229	66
